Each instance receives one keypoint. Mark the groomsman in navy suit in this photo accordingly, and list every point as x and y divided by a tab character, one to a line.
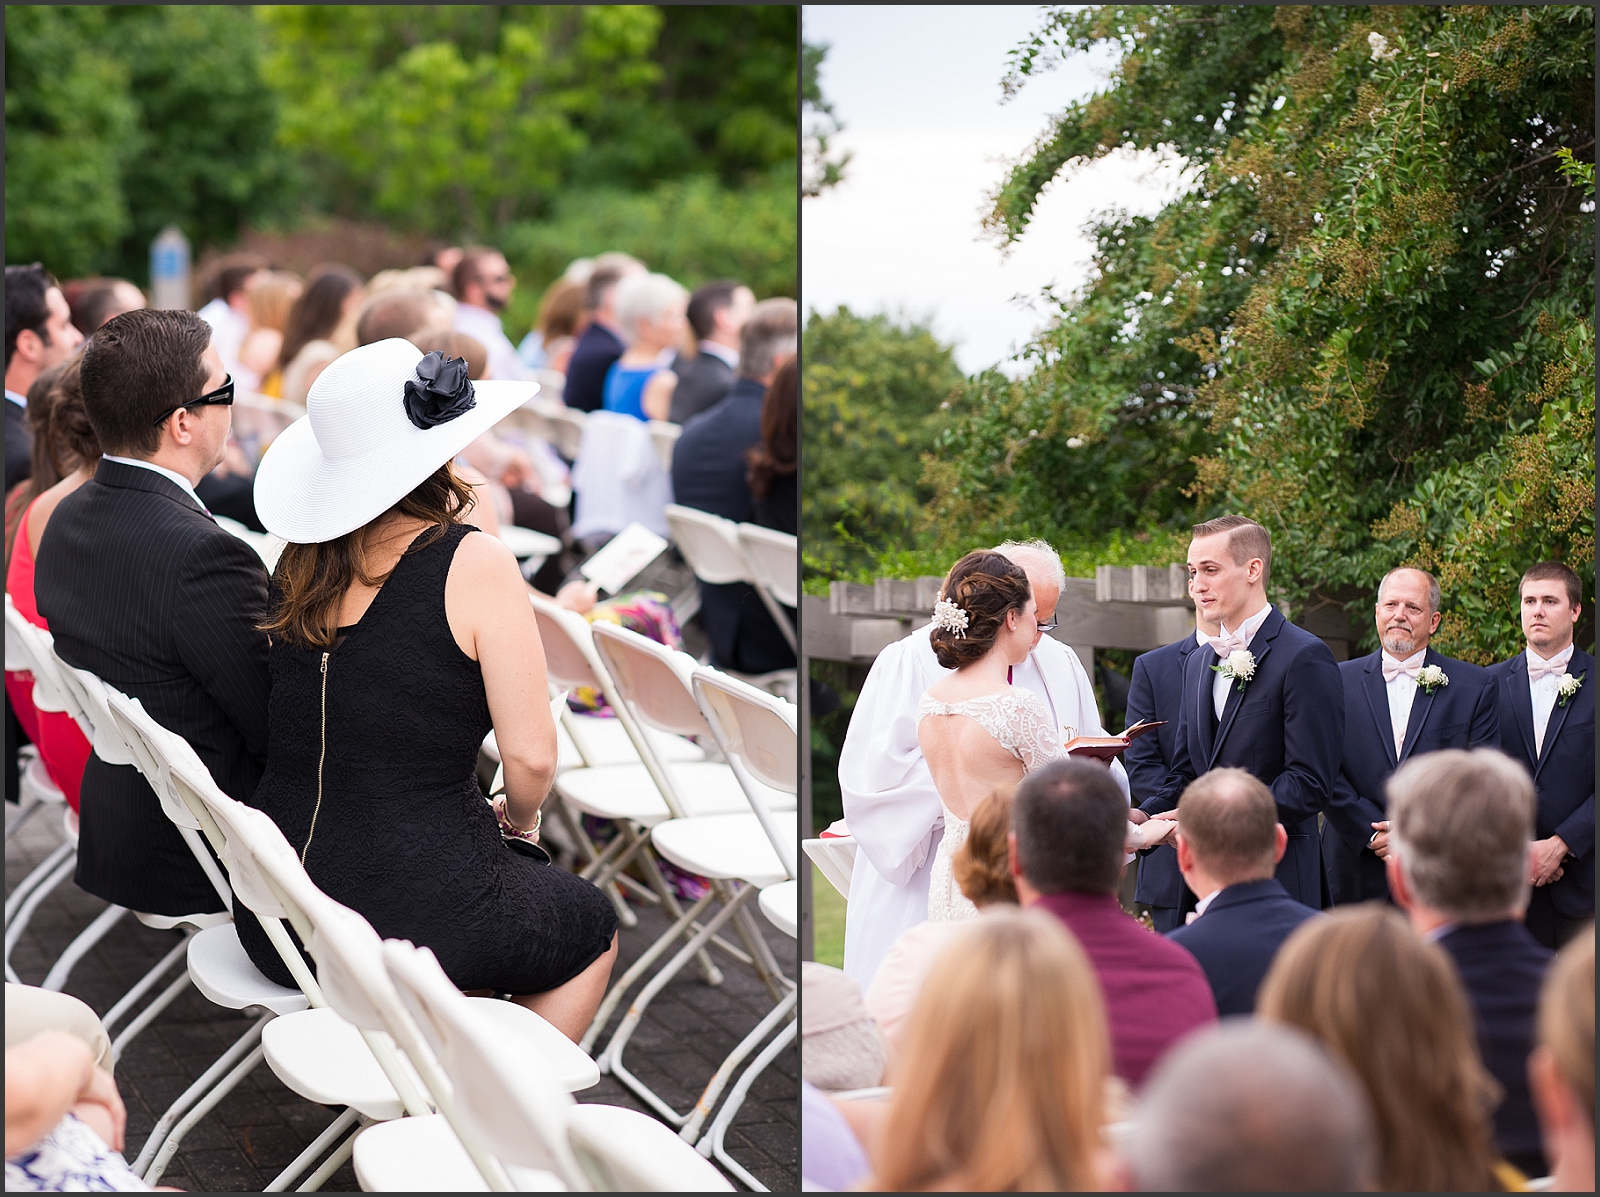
1546	696
1266	698
1400	702
1156	693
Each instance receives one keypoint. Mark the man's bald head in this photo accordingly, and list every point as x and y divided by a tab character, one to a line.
1253	1107
1042	564
1229	820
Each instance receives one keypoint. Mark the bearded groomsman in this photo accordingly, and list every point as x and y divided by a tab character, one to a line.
1266	698
1156	692
1399	702
1546	696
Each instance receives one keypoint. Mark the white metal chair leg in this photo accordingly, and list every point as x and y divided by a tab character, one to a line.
42	870
79	947
330	1165
199	1110
321	1143
713	1089
145	983
636	970
37	893
711	1143
150	1013
611	1060
761	958
711	974
223	1064
25	811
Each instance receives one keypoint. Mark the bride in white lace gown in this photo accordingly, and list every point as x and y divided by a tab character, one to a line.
976	730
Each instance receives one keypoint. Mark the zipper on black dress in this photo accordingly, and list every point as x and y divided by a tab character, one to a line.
321	756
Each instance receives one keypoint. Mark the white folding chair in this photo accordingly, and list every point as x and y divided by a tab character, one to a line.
37	790
664	435
757	733
523	1120
710	544
774	560
722	846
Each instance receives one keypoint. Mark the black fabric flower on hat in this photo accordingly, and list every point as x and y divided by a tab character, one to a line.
441	392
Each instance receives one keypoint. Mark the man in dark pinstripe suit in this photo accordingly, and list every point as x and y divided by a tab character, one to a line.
141	587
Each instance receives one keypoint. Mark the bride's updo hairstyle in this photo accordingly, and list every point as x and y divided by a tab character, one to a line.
986	586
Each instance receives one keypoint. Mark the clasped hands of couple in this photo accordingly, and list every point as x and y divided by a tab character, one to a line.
1544	858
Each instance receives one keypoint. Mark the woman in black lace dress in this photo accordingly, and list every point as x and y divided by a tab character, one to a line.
400	636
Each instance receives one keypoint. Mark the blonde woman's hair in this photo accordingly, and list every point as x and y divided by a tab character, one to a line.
1566	1016
272	298
1391	1007
1002	1071
982	865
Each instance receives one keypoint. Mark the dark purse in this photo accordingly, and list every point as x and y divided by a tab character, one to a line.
524	848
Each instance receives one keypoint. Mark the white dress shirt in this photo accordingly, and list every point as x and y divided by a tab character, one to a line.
170	475
20	400
1247	632
1543	692
484	326
1200	906
1402	693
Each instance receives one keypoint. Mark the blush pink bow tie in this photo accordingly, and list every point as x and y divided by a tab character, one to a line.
1227	643
1537	669
1393	669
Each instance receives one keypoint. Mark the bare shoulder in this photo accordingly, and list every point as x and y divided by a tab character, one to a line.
481	557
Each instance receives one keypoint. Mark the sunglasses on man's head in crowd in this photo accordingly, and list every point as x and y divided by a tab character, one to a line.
223	395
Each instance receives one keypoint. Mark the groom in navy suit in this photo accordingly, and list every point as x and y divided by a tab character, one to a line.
1396	707
1156	693
1267	698
1546	696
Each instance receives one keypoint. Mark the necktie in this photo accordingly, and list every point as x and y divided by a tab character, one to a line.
1410	668
1537	669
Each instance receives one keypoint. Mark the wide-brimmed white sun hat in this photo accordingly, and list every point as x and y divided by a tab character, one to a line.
379	421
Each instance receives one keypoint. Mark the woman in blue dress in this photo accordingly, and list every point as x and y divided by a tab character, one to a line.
650	308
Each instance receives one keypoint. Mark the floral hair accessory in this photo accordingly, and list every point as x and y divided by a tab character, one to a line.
950	618
442	391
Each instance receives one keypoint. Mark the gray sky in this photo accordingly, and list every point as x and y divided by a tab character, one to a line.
918	89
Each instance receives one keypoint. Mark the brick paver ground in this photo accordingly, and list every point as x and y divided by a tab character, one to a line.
259	1128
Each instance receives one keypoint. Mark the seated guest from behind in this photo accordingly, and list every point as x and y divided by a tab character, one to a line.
1460	824
710	473
400	636
1562	1067
62	437
1001	1083
1069	822
140	586
774	463
650	314
982	868
717	312
602	341
1229	843
1252	1107
1389	1006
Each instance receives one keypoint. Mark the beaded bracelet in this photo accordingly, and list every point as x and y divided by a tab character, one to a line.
510	830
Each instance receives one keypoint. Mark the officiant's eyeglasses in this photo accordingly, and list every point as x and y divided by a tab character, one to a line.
223	396
1048	627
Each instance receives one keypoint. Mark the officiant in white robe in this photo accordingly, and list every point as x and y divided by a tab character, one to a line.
891	806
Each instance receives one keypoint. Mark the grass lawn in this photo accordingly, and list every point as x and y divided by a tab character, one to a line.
827	920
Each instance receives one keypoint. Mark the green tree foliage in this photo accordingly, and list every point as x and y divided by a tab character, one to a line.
872	392
1369	322
121	120
824	166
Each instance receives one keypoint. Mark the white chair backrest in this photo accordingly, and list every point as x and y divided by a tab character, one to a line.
756	732
618	477
774	559
500	1101
32	650
569	659
652	678
19	658
710	544
87	692
664	435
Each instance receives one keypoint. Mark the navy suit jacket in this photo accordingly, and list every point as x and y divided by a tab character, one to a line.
1286	727
709	474
1464	713
591	357
1156	692
1237	937
1502	967
1563	774
19	446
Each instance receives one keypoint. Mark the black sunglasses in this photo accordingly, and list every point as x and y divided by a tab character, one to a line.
223	395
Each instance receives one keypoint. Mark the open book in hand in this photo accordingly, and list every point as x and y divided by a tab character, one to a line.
1105	748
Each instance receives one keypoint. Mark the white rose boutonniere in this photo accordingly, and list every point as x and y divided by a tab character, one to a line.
1239	666
1430	678
1567	687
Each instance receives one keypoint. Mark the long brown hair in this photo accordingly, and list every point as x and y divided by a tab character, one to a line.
1001	1079
63	439
1390	1005
316	314
777	453
311	579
